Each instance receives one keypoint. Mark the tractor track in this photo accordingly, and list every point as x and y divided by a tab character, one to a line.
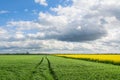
40	70
51	70
39	63
35	70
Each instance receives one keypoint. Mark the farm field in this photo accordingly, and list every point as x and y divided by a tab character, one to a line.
51	67
105	58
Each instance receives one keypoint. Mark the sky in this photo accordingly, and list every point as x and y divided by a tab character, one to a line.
60	26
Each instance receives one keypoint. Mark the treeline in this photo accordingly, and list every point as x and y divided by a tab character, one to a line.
26	53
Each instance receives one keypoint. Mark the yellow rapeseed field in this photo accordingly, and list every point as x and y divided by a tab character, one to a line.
100	57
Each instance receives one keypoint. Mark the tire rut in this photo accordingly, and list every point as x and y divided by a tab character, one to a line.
51	70
41	70
35	70
39	63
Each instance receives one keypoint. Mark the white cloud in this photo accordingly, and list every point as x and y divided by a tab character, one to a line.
19	35
2	31
42	2
39	35
3	34
3	11
24	25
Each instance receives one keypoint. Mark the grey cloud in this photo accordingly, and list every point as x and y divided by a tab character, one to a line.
87	32
86	29
82	36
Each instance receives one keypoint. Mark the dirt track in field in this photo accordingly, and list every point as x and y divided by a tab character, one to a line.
38	68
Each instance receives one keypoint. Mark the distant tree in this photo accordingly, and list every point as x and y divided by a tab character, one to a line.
27	52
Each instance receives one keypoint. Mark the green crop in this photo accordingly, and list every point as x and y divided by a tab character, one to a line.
49	67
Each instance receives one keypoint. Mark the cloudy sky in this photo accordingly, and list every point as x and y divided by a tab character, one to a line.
61	26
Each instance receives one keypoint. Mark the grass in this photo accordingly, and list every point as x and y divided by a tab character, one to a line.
42	67
17	67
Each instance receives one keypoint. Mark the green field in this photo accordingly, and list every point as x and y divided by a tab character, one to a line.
49	67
